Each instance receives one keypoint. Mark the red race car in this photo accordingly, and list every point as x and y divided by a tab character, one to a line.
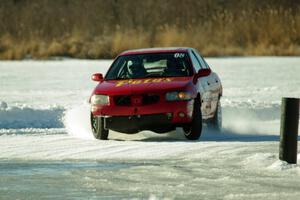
156	89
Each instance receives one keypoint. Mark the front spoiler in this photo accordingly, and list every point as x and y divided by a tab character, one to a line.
159	123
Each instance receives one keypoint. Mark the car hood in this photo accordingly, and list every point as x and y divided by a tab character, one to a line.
146	85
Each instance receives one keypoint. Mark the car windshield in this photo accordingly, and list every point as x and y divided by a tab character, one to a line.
150	65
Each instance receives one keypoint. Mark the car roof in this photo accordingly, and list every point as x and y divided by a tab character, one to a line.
155	50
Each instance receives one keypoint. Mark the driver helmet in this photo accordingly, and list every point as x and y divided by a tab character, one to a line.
135	67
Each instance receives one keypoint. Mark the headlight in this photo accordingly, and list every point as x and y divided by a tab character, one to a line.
178	96
99	99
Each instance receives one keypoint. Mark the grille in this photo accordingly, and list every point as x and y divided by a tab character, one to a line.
147	99
150	99
122	100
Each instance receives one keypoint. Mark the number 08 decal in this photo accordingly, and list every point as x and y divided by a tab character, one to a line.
179	55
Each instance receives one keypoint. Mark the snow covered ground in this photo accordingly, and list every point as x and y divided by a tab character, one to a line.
47	150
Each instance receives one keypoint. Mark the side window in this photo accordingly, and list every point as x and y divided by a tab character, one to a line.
195	62
201	60
207	66
202	63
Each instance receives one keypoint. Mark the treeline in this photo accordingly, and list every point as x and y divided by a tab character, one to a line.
103	28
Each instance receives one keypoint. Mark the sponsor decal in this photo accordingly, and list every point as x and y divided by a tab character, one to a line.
142	81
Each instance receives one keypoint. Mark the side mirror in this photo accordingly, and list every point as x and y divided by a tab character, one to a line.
97	77
201	73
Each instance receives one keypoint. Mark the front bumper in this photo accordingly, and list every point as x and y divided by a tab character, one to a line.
180	111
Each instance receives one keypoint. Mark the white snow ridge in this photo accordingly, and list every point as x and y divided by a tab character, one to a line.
17	117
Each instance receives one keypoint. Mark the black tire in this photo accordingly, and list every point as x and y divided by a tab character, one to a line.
194	130
216	121
97	124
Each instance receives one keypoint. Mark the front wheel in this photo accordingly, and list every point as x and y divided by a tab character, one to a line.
97	124
194	130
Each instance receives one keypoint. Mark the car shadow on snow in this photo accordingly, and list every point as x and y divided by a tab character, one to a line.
209	135
231	136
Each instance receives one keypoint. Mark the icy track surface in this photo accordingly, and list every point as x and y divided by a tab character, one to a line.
47	150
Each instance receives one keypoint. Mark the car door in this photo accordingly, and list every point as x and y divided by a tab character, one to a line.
214	85
204	87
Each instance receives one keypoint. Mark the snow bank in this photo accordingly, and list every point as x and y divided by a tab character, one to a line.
239	118
250	109
17	117
246	117
251	116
